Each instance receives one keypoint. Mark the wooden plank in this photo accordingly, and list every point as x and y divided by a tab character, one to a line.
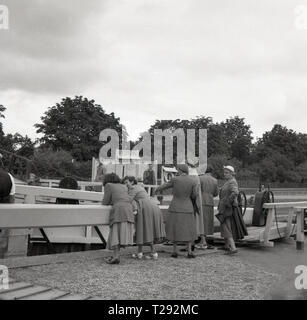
22	293
96	298
74	297
300	236
31	192
48	295
15	286
268	225
289	223
284	204
37	215
276	233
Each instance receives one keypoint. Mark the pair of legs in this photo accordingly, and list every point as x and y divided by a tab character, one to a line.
153	252
152	248
230	244
175	249
116	252
204	242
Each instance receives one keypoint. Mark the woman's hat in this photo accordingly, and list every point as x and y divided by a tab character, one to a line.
183	167
230	168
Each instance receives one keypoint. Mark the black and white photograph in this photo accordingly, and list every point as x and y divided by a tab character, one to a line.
153	153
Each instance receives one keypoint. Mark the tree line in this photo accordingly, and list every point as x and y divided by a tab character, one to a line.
69	138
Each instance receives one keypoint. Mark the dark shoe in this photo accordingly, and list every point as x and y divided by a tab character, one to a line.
113	260
191	256
174	255
231	252
223	248
210	247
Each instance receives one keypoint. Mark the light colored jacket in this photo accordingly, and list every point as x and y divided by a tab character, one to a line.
185	189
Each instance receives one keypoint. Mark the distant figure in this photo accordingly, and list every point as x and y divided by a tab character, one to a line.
209	190
149	219
100	173
33	180
68	183
149	178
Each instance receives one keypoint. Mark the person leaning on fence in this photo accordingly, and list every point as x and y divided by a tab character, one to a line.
149	222
232	224
181	224
121	216
7	195
209	190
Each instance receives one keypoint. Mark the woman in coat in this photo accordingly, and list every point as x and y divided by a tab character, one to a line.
149	219
181	224
121	215
232	224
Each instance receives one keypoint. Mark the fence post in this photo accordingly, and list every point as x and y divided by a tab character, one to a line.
300	236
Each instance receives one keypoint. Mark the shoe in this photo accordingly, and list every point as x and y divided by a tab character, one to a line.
223	248
153	256
201	247
191	256
174	255
138	256
230	251
112	260
210	247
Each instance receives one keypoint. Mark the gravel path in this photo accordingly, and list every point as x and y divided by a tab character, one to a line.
206	277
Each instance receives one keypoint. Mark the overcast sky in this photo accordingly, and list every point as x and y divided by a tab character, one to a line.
156	59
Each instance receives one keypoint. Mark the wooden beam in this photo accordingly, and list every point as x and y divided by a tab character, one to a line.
267	229
31	192
289	223
46	215
300	236
284	204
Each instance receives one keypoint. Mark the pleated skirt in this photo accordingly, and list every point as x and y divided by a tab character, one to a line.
234	226
181	227
149	223
121	233
199	220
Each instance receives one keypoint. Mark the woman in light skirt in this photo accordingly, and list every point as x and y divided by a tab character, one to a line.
149	219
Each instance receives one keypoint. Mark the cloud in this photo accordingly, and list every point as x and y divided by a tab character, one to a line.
154	59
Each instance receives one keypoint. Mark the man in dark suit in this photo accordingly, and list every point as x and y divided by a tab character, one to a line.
149	178
209	190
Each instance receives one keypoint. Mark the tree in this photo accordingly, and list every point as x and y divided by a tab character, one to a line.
2	109
74	125
284	141
238	136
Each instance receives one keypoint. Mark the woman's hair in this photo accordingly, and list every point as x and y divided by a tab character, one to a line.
132	179
111	178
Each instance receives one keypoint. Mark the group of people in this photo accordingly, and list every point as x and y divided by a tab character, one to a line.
190	214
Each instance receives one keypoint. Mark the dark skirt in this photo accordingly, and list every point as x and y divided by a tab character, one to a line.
234	226
208	212
181	227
